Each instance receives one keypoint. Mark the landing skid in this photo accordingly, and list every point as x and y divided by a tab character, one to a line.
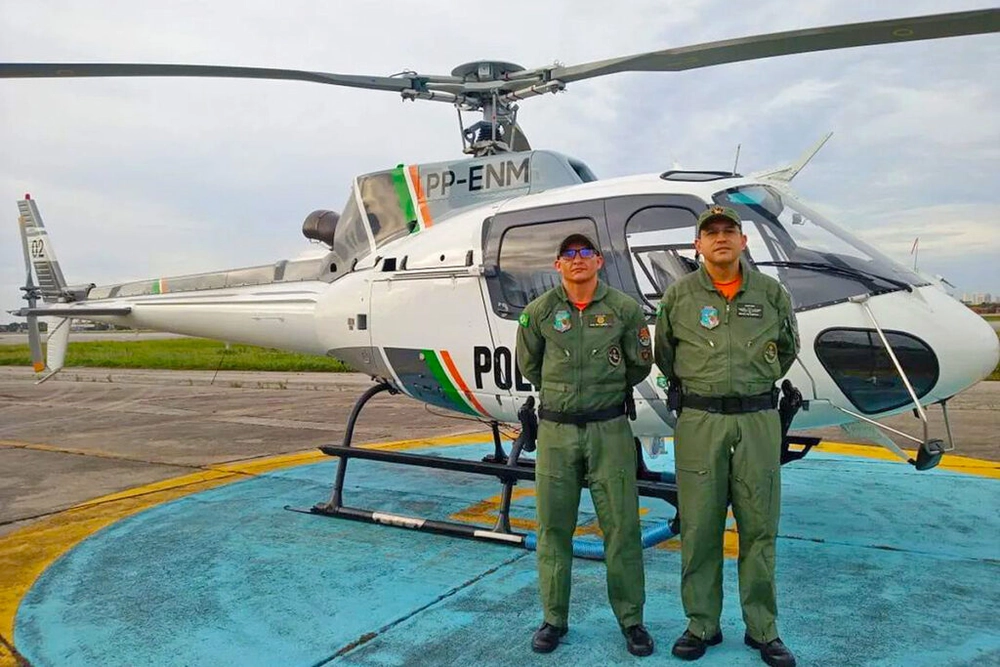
508	468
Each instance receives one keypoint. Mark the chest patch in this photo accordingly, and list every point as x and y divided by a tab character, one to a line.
562	321
754	310
770	352
614	355
709	317
600	320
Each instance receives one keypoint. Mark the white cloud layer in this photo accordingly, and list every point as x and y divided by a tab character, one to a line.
148	177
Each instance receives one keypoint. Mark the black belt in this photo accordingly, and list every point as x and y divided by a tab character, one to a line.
581	419
731	405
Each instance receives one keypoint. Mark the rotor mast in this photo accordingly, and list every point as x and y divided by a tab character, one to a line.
494	87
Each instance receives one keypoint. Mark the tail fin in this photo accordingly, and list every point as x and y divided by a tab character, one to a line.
40	260
786	174
51	283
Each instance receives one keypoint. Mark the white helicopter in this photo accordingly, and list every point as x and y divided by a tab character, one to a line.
429	265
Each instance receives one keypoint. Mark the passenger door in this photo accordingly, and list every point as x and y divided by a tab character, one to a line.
519	256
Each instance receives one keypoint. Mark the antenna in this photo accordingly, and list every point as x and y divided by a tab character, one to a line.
737	162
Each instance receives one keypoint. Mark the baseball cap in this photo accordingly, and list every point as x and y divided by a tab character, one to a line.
719	213
576	239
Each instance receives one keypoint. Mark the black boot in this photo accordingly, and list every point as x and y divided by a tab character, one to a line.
638	641
691	647
546	638
774	652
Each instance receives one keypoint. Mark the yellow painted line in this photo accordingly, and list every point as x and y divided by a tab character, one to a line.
962	464
25	554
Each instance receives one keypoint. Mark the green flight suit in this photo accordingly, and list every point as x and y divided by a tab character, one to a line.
582	362
717	348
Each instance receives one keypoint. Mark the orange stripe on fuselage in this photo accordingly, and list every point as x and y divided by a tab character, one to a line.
425	212
461	383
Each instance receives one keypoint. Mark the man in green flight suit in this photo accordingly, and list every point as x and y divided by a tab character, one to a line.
585	345
727	334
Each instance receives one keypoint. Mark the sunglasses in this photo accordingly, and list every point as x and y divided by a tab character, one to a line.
571	253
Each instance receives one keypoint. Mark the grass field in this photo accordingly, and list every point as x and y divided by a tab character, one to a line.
192	354
178	354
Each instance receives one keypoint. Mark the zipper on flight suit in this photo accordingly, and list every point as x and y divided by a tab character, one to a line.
578	366
729	352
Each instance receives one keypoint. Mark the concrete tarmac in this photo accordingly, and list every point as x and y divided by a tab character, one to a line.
90	432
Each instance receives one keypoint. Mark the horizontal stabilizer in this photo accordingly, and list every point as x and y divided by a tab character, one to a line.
81	312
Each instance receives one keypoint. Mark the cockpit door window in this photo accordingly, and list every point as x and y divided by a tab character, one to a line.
519	251
656	236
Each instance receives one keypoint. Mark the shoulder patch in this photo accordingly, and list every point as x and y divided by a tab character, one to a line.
524	319
644	338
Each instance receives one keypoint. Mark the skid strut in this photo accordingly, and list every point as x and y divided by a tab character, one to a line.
508	469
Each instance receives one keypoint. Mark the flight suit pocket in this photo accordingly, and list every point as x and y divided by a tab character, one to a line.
700	354
558	356
762	351
759	497
695	496
606	355
697	335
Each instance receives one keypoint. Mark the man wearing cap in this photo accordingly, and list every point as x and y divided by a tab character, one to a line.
726	333
585	345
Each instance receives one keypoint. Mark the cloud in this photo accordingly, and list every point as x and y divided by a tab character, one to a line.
147	177
953	231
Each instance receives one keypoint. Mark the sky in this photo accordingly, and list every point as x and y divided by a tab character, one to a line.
155	177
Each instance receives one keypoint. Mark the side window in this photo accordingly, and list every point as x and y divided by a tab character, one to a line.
858	363
350	242
381	200
528	254
660	241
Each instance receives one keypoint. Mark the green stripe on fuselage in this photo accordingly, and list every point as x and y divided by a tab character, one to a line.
449	389
403	192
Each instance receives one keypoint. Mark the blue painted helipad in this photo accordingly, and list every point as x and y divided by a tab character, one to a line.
877	564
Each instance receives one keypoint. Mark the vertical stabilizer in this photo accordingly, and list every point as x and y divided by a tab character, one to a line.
786	174
51	284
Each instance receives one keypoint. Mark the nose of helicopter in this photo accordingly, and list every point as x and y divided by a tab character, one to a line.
970	353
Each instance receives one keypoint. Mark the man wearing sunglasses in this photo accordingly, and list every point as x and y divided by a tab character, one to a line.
585	345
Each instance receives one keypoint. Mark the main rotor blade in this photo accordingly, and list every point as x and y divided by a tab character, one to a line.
61	70
787	43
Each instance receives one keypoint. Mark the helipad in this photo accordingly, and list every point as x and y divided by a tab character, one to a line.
878	564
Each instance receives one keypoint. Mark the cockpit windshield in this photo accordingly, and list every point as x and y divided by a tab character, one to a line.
816	260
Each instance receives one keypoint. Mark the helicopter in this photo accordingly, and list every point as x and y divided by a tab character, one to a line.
427	266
